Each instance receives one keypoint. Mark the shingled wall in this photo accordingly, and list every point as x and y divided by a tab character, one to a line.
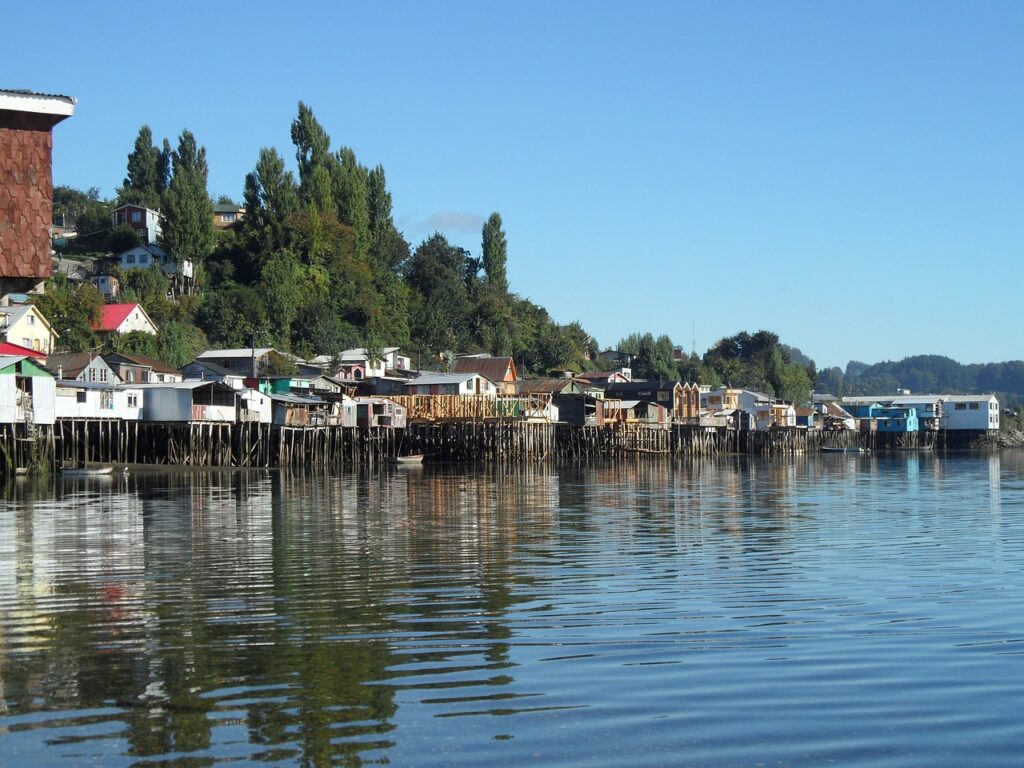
26	194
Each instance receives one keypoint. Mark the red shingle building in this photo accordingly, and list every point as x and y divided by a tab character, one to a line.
26	185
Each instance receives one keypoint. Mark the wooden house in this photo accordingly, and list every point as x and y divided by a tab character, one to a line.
207	371
604	379
139	369
299	411
145	221
89	400
254	406
380	412
682	402
639	412
27	391
247	361
82	366
783	414
189	401
575	404
892	419
451	384
805	417
500	370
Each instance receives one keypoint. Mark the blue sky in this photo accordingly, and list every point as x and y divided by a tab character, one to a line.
848	175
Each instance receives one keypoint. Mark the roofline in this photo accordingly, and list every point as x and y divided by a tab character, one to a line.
38	103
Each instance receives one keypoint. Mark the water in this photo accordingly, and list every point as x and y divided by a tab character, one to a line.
852	610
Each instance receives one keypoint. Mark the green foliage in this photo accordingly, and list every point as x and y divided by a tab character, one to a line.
120	239
187	232
494	250
652	357
71	312
149	288
144	183
759	361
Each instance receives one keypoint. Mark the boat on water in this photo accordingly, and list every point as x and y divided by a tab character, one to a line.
826	449
85	471
914	448
410	459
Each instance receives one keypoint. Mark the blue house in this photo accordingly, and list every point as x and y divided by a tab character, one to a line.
862	410
896	419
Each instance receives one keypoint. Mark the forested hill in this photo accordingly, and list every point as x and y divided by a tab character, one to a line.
926	373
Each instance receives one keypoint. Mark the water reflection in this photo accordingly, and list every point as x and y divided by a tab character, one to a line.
206	617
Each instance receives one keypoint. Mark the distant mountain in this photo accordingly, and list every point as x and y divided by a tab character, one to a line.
927	374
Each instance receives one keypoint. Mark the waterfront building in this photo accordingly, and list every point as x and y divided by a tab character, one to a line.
894	419
500	370
189	401
451	384
27	391
93	400
969	412
139	369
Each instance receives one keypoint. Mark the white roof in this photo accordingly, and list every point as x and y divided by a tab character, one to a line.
40	103
442	378
969	398
915	399
245	352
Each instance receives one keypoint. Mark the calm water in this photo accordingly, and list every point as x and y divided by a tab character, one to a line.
832	609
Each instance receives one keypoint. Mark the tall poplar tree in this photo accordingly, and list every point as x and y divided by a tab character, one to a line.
188	213
316	163
270	198
495	253
141	185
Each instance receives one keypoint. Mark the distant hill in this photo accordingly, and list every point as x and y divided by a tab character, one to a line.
927	373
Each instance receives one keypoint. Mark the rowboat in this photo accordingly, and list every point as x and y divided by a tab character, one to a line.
85	471
412	458
844	450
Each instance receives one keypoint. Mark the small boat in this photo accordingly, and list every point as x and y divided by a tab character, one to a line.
914	448
826	449
412	458
85	471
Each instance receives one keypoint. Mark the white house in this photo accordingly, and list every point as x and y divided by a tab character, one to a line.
86	400
207	371
254	405
124	318
970	412
451	384
354	364
25	325
145	256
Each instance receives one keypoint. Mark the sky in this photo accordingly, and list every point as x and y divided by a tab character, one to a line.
845	174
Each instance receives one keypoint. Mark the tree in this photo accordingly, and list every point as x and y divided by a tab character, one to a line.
351	197
313	154
142	184
72	312
163	168
271	199
495	253
188	226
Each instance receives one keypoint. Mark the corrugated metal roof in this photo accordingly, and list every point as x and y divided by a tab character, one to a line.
246	352
441	378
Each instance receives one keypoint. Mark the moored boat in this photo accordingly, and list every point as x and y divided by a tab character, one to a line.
412	458
85	471
826	449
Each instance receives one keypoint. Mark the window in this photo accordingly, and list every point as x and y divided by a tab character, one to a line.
975	406
227	217
31	319
131	258
129	376
136	217
80	397
141	233
961	406
103	374
133	400
122	218
107	401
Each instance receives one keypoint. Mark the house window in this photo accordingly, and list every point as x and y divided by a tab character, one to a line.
227	217
31	319
133	401
961	406
122	218
129	376
975	406
136	217
80	397
131	258
141	233
26	342
103	374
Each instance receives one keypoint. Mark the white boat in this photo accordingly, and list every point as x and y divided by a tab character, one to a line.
412	458
85	471
844	450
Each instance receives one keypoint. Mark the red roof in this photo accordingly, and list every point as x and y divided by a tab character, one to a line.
6	348
113	315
